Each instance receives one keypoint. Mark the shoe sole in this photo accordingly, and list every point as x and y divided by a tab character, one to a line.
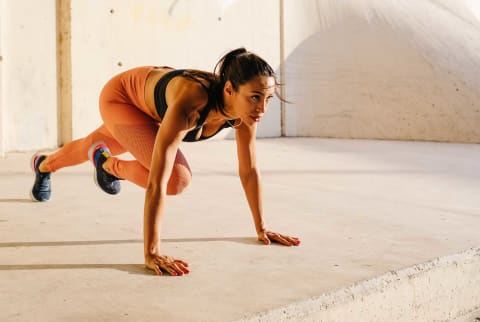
96	181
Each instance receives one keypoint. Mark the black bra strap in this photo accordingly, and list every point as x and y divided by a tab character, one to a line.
159	91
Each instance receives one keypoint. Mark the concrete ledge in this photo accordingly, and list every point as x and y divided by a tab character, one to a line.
444	289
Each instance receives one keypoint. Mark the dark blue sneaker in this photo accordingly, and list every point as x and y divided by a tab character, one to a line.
98	154
42	188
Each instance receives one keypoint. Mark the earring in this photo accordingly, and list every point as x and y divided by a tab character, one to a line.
233	126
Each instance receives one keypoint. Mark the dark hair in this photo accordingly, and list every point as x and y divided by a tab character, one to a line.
239	66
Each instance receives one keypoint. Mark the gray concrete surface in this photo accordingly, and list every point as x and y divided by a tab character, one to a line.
363	209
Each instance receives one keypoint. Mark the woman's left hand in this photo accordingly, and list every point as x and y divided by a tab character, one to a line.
269	236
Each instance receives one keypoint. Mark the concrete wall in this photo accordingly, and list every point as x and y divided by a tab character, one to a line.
2	95
371	69
28	75
109	37
121	34
405	70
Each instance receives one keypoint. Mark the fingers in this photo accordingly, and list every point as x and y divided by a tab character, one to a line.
181	262
284	239
280	239
264	238
269	236
294	240
266	241
167	264
182	266
157	270
175	268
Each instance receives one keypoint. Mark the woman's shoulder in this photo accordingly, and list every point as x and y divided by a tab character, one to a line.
187	93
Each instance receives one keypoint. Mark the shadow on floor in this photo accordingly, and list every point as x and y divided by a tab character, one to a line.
17	200
129	268
241	240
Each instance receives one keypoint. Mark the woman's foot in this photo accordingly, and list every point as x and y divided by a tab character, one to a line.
42	189
98	154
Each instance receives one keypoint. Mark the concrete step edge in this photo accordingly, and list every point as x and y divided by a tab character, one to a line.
443	289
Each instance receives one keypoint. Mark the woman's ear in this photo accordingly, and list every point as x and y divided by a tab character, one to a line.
228	88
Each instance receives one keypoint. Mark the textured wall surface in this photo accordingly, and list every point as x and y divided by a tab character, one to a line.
383	70
28	73
184	34
397	70
109	37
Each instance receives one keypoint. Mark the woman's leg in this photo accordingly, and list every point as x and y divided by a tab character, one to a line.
75	152
136	133
125	115
70	154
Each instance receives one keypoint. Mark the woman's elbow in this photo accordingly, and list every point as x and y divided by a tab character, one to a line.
247	175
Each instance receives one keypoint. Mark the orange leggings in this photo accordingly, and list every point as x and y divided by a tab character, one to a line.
127	126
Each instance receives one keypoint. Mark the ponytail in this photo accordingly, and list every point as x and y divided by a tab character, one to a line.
239	66
222	66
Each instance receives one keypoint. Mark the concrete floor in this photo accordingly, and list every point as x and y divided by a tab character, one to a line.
361	209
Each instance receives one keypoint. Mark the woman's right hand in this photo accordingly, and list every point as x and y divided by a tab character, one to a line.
160	264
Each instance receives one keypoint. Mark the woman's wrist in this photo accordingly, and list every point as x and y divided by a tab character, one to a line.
152	249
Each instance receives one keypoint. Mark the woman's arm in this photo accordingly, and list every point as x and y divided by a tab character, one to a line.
251	183
179	119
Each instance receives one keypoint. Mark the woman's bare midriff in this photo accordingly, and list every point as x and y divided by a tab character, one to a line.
152	80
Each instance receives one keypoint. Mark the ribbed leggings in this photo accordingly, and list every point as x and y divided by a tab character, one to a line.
127	126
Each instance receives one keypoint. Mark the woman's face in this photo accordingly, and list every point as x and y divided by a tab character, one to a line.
251	99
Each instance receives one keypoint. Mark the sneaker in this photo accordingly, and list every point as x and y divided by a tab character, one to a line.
98	154
42	188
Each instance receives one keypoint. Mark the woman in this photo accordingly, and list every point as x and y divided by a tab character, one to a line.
149	111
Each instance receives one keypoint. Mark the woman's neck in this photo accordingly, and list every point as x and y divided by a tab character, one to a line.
219	115
228	112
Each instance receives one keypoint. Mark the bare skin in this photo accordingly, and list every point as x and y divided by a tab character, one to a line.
186	99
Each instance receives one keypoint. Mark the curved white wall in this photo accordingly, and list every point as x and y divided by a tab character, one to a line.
377	69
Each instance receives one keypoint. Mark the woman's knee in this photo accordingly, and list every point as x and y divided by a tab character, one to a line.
181	175
179	180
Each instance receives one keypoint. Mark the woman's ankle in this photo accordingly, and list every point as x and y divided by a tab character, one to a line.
107	165
43	167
